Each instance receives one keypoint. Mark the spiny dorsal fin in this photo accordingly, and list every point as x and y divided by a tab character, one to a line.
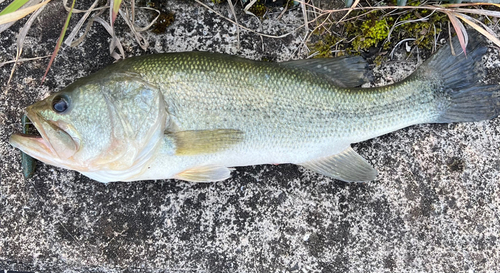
208	173
204	141
347	166
348	71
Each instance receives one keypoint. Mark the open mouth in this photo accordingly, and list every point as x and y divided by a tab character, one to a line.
29	128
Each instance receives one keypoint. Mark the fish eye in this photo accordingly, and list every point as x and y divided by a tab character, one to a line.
60	104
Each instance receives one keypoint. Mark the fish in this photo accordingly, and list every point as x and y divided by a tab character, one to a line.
194	116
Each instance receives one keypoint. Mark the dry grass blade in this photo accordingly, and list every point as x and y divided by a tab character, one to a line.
87	29
115	42
23	60
397	24
15	5
398	44
304	13
141	29
479	12
21	8
469	5
349	11
231	6
143	42
453	11
136	31
115	6
245	28
480	29
247	7
59	42
16	15
459	29
20	40
72	35
488	29
27	4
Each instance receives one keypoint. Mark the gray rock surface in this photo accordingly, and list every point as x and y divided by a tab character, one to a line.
435	205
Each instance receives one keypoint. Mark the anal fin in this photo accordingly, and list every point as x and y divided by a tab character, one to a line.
347	166
209	173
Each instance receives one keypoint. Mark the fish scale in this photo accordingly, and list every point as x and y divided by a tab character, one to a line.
277	99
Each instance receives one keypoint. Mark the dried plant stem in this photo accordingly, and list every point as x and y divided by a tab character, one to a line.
245	28
453	11
16	15
20	41
231	6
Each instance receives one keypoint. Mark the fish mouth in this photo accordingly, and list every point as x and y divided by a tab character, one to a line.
41	144
34	145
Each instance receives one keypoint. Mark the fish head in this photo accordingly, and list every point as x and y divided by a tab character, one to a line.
59	138
105	128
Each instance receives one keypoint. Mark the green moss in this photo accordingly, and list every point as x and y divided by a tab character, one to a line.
371	31
378	60
423	31
324	46
363	35
259	8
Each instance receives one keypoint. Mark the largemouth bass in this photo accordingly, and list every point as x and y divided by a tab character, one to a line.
192	116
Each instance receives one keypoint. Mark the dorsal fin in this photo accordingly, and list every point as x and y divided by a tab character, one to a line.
347	71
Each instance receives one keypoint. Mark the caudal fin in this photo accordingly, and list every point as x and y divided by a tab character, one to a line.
463	97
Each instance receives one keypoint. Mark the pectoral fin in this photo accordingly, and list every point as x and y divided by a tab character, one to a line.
347	166
204	141
209	173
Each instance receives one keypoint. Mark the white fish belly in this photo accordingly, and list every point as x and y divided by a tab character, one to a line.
164	165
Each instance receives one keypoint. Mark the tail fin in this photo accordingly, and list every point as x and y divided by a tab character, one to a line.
464	98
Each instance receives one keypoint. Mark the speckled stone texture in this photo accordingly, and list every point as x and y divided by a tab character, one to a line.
435	205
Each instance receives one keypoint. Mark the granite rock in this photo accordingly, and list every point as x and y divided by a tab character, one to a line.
434	206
